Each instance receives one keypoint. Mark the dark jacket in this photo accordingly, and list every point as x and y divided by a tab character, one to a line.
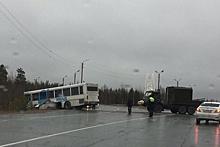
130	103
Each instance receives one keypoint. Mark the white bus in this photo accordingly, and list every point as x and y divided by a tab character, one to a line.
69	96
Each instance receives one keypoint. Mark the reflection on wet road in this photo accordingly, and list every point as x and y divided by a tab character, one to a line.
108	126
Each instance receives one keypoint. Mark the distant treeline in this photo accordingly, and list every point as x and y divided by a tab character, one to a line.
12	89
119	96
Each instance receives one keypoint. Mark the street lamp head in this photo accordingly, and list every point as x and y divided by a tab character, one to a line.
76	71
158	72
85	60
177	80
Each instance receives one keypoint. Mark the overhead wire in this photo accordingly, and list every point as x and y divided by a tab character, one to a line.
108	71
50	51
117	78
103	71
24	34
115	74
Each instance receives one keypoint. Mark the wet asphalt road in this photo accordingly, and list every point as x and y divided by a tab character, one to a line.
107	126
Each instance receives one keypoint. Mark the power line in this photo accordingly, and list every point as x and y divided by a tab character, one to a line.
31	36
117	73
30	32
24	34
112	74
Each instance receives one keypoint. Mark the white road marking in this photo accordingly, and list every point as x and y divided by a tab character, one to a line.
71	131
21	119
34	118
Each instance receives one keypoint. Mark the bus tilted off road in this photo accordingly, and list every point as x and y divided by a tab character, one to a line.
69	96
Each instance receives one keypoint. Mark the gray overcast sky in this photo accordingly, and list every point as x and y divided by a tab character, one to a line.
117	36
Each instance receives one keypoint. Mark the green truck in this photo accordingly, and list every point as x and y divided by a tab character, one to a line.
177	100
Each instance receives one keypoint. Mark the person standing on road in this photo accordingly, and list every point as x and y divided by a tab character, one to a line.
150	106
129	103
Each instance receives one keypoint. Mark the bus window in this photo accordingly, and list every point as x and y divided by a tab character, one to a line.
43	95
35	96
81	90
66	92
92	88
74	91
58	93
51	94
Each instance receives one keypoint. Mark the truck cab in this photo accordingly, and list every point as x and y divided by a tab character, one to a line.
157	98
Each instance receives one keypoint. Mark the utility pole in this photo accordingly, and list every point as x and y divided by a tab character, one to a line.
63	79
36	79
177	82
74	81
36	83
159	79
82	70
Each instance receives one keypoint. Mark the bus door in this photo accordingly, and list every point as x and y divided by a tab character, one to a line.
43	96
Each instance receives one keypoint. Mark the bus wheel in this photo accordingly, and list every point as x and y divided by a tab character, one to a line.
67	105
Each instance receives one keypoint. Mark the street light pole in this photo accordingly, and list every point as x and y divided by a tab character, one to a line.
159	78
36	79
74	81
36	84
177	82
82	70
63	79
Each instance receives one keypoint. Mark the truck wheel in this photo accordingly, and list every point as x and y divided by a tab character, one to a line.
182	110
158	108
173	110
191	110
67	105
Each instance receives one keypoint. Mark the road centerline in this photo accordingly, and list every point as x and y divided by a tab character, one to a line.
71	131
